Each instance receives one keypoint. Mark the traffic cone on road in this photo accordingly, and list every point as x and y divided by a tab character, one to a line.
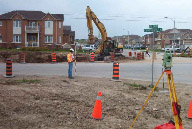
96	114
190	109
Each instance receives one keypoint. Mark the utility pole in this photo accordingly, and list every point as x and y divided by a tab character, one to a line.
128	38
174	38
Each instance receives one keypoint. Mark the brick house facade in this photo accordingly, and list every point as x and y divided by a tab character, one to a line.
148	40
181	39
68	35
31	29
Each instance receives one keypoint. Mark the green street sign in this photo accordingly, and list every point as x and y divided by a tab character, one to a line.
159	29
153	26
148	30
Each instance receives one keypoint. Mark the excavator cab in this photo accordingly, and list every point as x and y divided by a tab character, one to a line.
110	46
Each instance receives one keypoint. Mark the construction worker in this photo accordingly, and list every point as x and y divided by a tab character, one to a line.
147	51
70	59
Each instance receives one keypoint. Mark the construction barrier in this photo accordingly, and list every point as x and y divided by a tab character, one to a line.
175	54
9	69
143	55
97	114
115	71
130	54
92	57
190	109
112	57
22	58
139	57
54	58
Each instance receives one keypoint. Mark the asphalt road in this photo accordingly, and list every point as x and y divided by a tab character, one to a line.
138	71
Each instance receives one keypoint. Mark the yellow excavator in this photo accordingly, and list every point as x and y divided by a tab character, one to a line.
189	52
107	45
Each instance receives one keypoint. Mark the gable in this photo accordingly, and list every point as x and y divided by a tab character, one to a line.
17	16
176	31
48	17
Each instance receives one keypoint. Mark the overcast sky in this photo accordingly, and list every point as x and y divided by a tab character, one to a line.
118	16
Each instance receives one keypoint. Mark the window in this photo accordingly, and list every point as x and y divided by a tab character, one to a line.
1	23
17	38
17	23
60	25
32	38
0	39
48	24
32	24
59	39
48	39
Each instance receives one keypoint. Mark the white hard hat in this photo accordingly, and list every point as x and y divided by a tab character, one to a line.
72	50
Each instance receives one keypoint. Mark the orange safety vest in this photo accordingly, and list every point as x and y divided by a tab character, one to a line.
69	57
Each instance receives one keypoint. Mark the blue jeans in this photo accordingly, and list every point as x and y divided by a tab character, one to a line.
70	70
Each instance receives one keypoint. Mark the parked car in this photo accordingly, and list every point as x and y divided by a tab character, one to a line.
127	46
171	49
88	47
139	47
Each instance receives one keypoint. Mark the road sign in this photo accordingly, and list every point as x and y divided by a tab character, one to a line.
154	29
148	30
159	29
153	26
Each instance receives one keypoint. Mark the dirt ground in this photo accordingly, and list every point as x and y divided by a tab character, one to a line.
55	102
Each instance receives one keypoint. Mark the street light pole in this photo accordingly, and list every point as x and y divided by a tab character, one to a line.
128	38
174	34
174	38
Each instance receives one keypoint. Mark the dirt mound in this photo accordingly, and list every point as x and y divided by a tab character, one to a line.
39	57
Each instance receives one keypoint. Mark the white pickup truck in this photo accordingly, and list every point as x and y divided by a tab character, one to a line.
88	47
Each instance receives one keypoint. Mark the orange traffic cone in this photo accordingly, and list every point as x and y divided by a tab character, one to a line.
96	114
190	109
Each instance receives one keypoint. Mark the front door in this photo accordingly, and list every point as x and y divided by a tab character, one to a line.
32	39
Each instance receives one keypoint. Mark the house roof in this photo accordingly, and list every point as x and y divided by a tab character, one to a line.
67	30
30	15
179	30
151	35
180	36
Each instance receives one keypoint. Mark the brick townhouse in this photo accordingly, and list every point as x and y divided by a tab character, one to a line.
31	29
68	35
182	38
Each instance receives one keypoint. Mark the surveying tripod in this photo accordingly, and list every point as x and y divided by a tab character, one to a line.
176	108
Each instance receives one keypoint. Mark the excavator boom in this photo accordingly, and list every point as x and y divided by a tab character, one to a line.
189	53
106	46
92	17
